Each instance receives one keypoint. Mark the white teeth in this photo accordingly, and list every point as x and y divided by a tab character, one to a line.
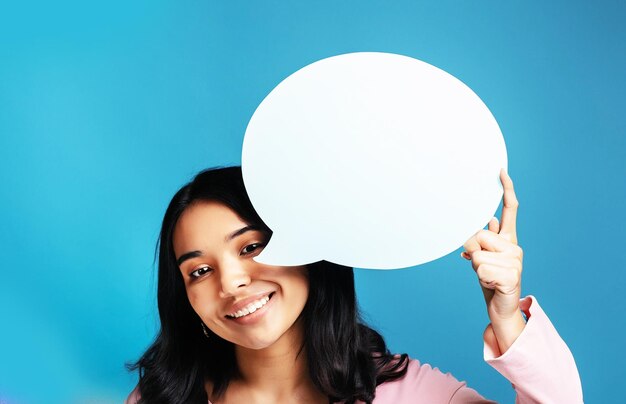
251	308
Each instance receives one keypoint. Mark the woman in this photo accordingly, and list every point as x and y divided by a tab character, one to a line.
237	331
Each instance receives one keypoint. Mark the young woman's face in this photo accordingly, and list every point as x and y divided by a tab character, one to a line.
226	287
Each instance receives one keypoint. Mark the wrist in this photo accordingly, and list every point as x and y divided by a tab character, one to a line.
507	330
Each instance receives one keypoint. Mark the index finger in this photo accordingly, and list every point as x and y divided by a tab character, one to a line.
509	208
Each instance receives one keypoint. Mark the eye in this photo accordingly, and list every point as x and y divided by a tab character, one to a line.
250	248
200	271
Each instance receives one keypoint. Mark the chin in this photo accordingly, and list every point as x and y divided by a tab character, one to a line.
257	344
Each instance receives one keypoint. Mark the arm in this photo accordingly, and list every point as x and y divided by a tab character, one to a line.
538	363
531	355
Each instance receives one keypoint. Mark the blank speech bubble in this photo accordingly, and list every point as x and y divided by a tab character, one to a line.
371	160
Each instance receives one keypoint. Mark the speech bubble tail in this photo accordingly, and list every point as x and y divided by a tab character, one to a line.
279	253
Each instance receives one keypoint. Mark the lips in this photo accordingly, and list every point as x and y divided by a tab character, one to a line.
242	304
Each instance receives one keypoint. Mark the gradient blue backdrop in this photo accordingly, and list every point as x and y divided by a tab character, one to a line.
106	108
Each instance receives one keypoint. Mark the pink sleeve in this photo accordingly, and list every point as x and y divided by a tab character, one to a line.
424	384
133	397
538	364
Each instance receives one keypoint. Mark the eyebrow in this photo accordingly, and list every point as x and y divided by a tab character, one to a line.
187	256
197	253
241	231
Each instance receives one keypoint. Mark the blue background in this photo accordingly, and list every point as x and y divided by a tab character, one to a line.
107	108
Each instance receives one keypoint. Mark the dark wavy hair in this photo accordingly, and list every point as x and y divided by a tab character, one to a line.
346	358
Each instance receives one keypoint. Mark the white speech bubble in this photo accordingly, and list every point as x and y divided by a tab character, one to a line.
371	160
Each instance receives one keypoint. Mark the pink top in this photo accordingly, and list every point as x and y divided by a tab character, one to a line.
539	365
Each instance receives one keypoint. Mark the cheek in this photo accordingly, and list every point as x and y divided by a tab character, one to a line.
201	302
299	285
304	286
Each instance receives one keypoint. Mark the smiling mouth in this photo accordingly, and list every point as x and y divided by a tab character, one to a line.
251	308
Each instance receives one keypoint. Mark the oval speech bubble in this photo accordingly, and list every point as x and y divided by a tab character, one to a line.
371	160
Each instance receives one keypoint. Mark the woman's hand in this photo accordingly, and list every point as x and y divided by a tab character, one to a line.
497	260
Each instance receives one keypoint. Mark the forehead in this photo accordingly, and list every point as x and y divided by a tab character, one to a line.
205	221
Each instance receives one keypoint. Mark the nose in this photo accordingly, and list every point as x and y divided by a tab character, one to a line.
233	278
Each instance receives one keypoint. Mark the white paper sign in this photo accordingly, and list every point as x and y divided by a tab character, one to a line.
371	160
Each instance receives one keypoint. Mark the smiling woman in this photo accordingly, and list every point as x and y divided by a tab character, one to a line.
231	327
249	304
237	331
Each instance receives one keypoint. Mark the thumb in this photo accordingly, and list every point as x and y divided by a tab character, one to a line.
471	245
